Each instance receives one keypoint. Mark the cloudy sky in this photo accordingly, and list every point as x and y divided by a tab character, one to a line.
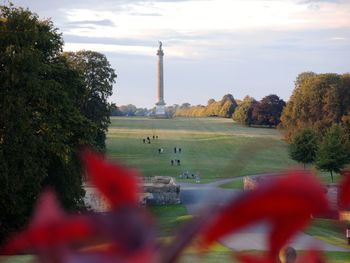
212	47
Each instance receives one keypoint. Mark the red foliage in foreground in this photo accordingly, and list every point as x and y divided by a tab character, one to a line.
344	193
289	200
288	203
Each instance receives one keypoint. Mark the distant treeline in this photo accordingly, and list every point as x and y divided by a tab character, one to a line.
223	108
128	110
318	101
132	110
247	112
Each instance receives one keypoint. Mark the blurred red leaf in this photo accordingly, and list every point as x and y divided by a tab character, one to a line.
312	256
251	259
118	184
287	202
344	190
49	227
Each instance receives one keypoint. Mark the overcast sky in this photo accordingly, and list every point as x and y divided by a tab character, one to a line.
212	47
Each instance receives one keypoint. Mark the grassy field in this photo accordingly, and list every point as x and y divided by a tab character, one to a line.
213	147
216	148
169	217
236	184
330	231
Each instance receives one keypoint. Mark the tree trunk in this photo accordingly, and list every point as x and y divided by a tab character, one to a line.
332	176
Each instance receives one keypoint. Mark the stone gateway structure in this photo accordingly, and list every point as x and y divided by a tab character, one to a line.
157	190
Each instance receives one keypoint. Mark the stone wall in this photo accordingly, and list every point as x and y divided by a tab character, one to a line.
249	183
93	199
252	182
332	195
162	190
158	190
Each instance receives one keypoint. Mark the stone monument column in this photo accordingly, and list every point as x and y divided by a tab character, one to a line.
160	105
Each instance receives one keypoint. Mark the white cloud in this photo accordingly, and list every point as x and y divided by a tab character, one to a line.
121	49
198	16
339	38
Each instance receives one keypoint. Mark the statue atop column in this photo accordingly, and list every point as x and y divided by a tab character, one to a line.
160	50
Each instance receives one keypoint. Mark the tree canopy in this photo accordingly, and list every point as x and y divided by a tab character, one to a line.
304	146
332	154
268	111
99	77
223	108
243	112
318	101
42	125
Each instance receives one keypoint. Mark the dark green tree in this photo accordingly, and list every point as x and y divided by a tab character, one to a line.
346	128
332	153
304	146
99	77
268	111
115	111
41	128
128	110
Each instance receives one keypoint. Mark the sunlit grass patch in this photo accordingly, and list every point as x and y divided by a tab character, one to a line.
213	147
236	184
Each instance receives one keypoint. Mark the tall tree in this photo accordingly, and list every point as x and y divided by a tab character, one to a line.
317	102
304	146
41	128
228	106
243	112
268	111
99	77
332	153
346	128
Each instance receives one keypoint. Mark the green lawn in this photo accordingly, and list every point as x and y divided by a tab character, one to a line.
214	147
169	217
236	184
330	231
